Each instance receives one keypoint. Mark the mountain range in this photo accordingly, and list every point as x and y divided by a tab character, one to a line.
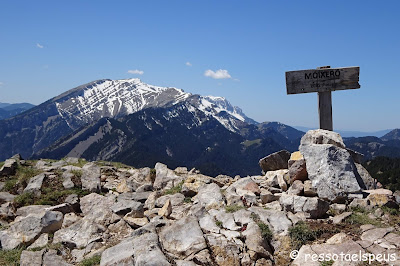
8	110
139	124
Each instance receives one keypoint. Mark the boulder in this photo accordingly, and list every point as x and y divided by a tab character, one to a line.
295	156
309	190
122	207
296	188
209	196
331	170
176	199
166	210
6	197
182	238
255	241
367	179
51	258
276	179
29	258
165	178
9	167
314	207
97	208
277	220
79	234
267	197
341	217
321	136
91	177
26	230
275	161
67	180
225	252
35	184
298	171
42	241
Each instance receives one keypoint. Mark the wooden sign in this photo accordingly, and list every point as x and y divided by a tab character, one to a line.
321	80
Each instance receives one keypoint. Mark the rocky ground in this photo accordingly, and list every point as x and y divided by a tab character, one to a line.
318	201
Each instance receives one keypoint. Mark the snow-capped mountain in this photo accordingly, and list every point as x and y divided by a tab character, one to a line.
117	98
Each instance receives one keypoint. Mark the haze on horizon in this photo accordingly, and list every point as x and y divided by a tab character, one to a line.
238	50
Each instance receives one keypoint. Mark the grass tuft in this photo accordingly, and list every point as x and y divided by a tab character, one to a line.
233	208
95	260
175	189
10	257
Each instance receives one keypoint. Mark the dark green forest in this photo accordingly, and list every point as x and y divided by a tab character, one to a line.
386	171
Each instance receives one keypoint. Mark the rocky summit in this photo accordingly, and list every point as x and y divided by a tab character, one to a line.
315	201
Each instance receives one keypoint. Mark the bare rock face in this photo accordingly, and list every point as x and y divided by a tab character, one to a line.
331	170
275	161
298	171
314	207
165	178
183	238
210	196
9	167
91	177
369	182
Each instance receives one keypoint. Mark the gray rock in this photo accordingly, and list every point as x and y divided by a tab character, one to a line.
176	199
341	217
63	208
255	242
267	197
7	211
207	223
357	157
277	220
376	234
120	254
27	229
367	179
51	258
91	177
135	196
314	207
146	251
183	238
98	208
224	251
31	258
31	209
6	197
9	167
362	203
396	196
69	219
165	178
122	207
308	189
275	161
225	218
321	136
331	170
297	188
42	241
209	196
67	180
79	234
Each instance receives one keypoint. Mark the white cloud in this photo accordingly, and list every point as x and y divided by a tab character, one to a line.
219	74
188	64
38	45
136	72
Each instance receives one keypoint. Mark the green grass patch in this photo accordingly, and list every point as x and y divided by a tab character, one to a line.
265	230
175	189
10	257
187	200
77	173
10	184
358	218
300	234
218	223
327	263
81	162
233	208
95	260
249	143
1	164
24	199
391	211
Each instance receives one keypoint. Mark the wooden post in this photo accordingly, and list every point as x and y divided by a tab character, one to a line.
325	108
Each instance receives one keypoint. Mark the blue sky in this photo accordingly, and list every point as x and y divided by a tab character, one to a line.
48	47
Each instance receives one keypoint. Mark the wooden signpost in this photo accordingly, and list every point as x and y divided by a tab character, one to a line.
323	80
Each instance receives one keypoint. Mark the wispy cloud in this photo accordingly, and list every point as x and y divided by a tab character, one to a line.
219	74
188	64
38	45
136	72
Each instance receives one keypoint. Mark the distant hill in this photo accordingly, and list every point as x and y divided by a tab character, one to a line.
8	110
392	135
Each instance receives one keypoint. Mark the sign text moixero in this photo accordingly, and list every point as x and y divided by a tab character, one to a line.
323	80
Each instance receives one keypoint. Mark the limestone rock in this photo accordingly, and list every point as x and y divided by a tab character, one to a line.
321	136
67	180
369	182
176	199
314	207
98	208
6	197
225	252
207	223
341	217
309	190
298	171
27	229
35	184
295	156
255	242
209	196
331	171
267	197
275	161
31	258
183	238
91	177
51	258
277	220
166	210
9	167
79	234
165	178
296	188
123	207
277	179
